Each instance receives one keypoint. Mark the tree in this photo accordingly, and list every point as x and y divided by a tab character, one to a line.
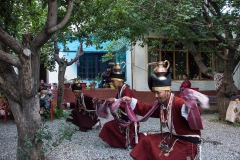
190	22
20	62
63	63
93	23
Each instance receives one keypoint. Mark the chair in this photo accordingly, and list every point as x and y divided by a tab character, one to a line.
51	110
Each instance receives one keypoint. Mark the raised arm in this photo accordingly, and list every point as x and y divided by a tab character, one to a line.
141	108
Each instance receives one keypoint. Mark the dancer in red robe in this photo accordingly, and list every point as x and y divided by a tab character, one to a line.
182	141
112	133
83	113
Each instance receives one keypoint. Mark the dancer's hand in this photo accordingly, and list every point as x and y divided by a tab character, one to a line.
111	100
126	98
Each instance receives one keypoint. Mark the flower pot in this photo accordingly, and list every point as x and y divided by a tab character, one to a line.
106	86
83	84
67	85
92	86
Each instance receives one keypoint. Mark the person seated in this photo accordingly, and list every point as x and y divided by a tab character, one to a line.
41	85
46	96
185	84
83	113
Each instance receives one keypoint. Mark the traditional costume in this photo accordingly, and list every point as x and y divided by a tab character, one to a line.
182	119
106	76
83	113
185	84
112	133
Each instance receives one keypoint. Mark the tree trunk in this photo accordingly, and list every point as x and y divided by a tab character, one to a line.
28	122
61	73
222	103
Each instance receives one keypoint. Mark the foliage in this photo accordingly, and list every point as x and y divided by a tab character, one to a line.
108	56
3	95
98	78
27	148
2	100
58	113
116	49
93	83
65	131
65	79
47	56
25	27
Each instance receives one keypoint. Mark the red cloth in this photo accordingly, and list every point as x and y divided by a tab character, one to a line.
84	120
148	149
111	132
185	84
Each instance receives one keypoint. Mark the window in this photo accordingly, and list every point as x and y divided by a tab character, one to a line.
91	65
181	61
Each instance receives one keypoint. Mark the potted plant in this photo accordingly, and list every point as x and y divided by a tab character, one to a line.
98	79
93	84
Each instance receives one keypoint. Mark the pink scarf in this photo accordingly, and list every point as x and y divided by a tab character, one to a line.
102	111
191	97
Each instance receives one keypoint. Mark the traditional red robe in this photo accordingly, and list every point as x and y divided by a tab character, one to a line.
81	118
185	84
147	148
115	135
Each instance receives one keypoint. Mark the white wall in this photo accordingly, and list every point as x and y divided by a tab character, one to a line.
128	68
202	85
139	68
236	77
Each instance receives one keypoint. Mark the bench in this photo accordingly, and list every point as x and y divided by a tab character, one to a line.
212	99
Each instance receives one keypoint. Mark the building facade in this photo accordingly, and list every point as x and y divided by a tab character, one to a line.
181	62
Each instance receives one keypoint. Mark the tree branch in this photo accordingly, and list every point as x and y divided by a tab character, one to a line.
222	56
78	54
56	51
220	38
9	81
8	40
10	58
65	19
50	27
